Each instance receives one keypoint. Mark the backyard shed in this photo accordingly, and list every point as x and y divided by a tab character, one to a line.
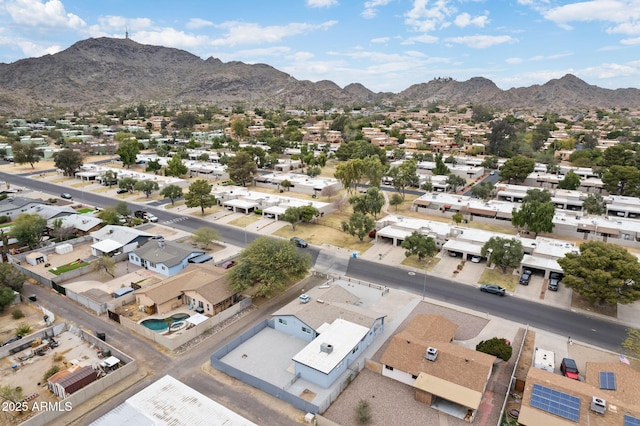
64	248
66	382
36	258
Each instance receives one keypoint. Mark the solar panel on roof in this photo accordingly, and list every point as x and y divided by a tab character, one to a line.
607	380
555	402
631	421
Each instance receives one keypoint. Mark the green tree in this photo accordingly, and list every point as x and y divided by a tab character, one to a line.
127	183
490	162
455	181
457	218
497	346
631	344
517	169
403	176
571	181
146	186
359	225
396	200
349	174
110	176
441	168
240	128
374	170
594	204
104	265
622	180
502	138
534	214
7	296
199	195
175	167
25	153
153	166
172	192
241	168
269	265
370	202
286	184
68	160
128	150
28	229
483	190
417	244
122	209
291	215
205	236
109	216
503	252
602	273
11	277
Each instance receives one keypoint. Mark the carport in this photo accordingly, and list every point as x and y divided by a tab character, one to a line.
540	263
241	205
467	249
394	234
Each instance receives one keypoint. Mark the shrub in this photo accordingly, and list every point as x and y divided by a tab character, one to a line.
363	412
52	200
5	219
497	346
50	372
17	314
23	329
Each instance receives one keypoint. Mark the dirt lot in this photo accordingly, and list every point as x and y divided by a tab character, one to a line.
32	317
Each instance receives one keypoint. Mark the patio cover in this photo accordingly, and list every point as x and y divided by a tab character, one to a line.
196	319
107	246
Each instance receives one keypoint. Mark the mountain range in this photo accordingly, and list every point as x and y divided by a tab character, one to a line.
106	73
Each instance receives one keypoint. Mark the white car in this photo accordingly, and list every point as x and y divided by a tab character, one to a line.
476	259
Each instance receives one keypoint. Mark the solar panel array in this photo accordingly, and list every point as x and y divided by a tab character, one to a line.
607	380
555	402
631	421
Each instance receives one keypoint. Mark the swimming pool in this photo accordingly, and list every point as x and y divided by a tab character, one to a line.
163	324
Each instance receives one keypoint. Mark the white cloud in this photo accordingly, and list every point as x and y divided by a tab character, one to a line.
631	41
424	38
481	41
244	33
615	11
35	13
424	18
274	51
380	40
33	50
197	23
171	38
464	20
514	60
371	8
321	3
120	23
612	71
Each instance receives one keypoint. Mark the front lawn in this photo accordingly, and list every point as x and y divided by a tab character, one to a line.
496	276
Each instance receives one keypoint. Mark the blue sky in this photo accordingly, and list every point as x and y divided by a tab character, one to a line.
387	45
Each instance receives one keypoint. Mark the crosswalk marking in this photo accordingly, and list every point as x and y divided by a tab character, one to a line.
178	219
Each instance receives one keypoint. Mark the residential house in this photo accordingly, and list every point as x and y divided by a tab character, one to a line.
14	206
337	330
113	239
422	356
203	288
164	257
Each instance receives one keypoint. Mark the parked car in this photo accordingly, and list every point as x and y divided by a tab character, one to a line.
66	196
299	242
453	253
554	281
476	259
146	216
13	339
493	289
121	191
525	278
228	264
569	369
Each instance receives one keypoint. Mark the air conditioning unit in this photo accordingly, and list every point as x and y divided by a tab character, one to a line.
598	405
326	348
431	354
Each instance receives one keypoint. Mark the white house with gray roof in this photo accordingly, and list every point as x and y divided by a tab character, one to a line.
113	239
164	257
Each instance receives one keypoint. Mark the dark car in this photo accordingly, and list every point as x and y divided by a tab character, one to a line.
554	281
121	191
228	264
13	339
493	289
569	369
525	278
299	242
66	196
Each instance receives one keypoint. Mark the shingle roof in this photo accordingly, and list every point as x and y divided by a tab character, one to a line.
166	252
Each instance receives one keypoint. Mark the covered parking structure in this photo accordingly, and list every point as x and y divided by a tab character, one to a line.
540	264
241	205
466	249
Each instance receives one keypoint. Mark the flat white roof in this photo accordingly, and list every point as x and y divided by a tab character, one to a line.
170	402
342	335
106	246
